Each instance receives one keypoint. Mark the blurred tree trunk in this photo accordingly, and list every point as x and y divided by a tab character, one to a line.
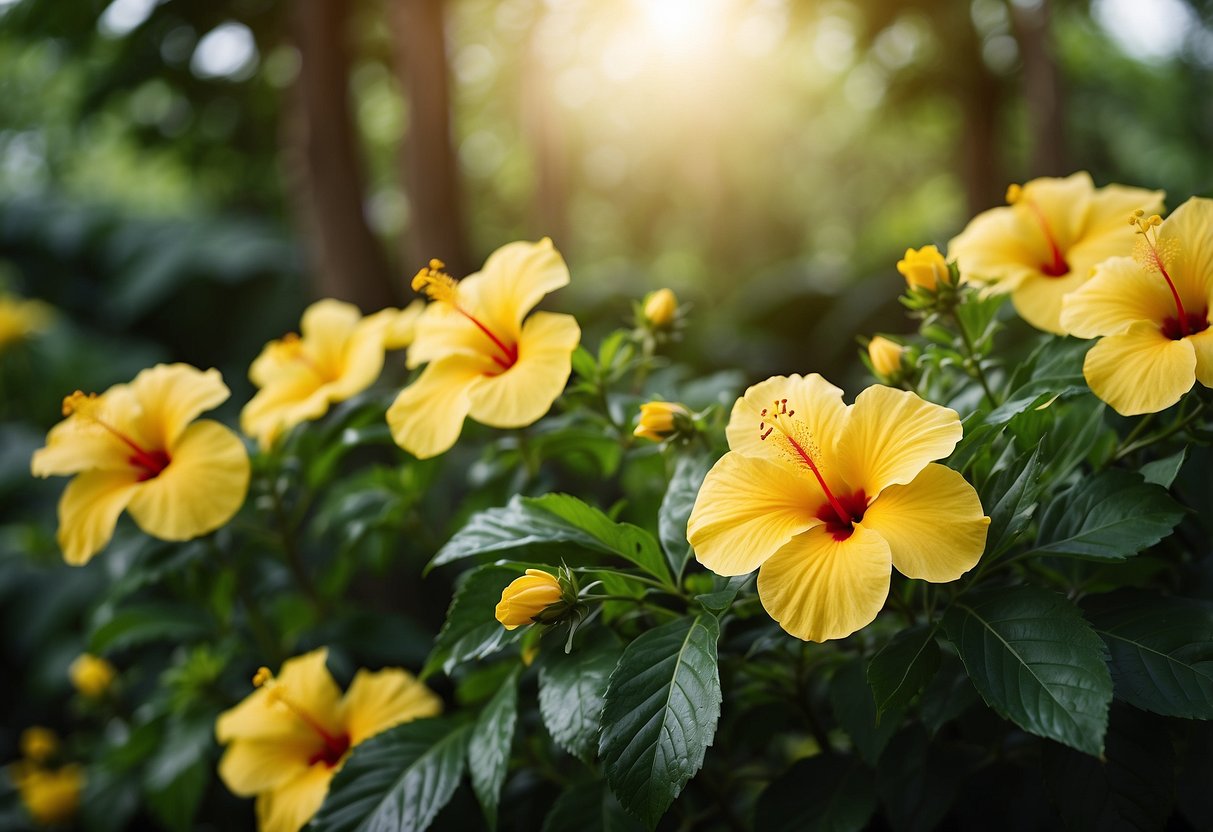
979	93
431	175
549	146
1042	89
324	169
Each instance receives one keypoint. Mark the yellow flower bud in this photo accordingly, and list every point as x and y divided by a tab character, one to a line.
659	420
91	675
885	356
925	268
38	744
660	307
526	597
50	796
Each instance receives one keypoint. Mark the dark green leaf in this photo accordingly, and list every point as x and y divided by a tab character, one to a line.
948	695
489	747
1162	472
676	507
629	542
551	520
903	667
721	599
1010	498
1113	515
919	780
148	623
471	631
821	794
662	704
589	807
397	781
855	710
1036	662
1132	787
176	776
571	691
1162	651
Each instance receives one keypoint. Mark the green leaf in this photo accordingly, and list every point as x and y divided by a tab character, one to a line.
397	781
1132	787
1161	649
572	687
471	631
676	507
149	623
589	807
903	667
1010	497
176	777
552	520
489	747
855	710
1035	661
719	601
662	704
1112	515
821	794
918	780
629	542
1163	472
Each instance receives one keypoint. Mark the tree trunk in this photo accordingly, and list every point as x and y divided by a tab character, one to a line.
1042	90
428	159
324	169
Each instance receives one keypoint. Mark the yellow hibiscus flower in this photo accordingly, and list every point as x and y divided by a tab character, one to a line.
526	597
1046	242
137	447
484	360
50	795
1151	313
288	738
826	498
339	355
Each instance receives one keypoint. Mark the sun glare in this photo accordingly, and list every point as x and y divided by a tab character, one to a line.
680	28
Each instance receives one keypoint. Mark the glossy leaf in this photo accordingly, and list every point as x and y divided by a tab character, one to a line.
675	510
660	713
489	747
471	631
903	667
1036	662
397	781
589	807
572	687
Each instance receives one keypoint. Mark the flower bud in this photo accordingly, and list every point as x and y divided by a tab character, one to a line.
660	307
51	796
527	597
885	356
91	675
661	420
38	744
925	268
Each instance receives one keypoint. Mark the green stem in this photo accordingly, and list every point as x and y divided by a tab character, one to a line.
1127	447
974	360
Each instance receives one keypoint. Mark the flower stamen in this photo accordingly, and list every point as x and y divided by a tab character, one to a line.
334	746
88	408
781	419
1152	254
1058	267
292	349
437	285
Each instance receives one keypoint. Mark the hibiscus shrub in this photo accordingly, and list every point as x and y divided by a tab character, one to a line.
575	589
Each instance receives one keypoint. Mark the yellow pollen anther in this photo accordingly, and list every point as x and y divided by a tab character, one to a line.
262	677
435	283
1014	194
85	404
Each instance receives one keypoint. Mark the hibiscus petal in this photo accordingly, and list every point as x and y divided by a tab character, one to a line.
1140	370
515	278
428	415
996	247
746	510
1120	294
818	410
290	806
522	394
79	443
934	525
377	701
1202	343
1188	233
250	767
89	509
281	405
172	396
890	435
819	588
1038	300
200	489
327	327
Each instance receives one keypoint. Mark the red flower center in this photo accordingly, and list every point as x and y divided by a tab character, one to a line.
854	505
1192	323
332	751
